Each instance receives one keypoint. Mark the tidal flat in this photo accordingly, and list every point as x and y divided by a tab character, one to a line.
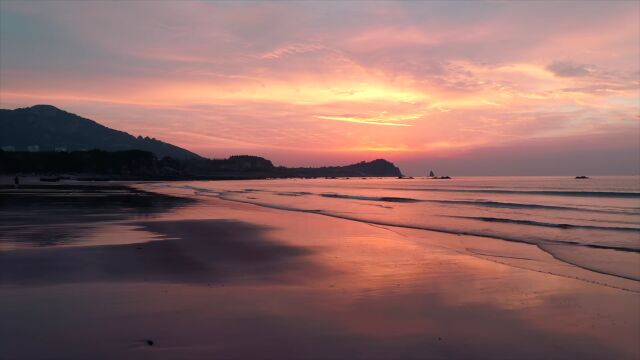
146	272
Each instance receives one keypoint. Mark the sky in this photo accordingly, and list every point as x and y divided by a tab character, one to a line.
460	87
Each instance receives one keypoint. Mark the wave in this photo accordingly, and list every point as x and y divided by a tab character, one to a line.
545	224
527	237
544	244
294	193
531	241
370	198
509	205
609	194
486	203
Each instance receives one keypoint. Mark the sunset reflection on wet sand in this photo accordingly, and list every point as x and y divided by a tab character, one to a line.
282	284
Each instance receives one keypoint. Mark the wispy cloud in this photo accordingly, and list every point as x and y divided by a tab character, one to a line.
290	50
568	69
365	120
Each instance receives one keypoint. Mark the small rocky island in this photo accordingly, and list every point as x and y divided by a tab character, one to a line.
432	175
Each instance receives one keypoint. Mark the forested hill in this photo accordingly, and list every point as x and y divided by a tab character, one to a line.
47	128
43	139
137	164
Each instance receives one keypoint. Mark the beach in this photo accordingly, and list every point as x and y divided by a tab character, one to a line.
273	269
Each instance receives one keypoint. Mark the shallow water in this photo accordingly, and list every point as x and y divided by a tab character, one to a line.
601	213
84	277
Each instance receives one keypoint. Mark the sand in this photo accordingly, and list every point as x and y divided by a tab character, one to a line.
137	276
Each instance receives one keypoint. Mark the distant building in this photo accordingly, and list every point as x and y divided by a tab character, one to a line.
8	148
33	148
60	149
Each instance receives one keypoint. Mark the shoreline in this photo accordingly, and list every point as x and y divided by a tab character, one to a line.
136	189
279	284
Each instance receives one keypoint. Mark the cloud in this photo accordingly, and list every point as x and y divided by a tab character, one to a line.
568	69
291	50
377	120
418	77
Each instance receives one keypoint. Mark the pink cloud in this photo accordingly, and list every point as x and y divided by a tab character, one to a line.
220	77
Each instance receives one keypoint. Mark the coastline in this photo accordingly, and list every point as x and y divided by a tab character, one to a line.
206	278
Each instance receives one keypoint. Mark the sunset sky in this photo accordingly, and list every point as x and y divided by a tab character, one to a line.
479	87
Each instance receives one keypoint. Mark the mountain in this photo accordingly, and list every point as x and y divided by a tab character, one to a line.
144	165
47	128
46	140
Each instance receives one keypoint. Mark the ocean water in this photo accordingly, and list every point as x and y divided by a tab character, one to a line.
591	223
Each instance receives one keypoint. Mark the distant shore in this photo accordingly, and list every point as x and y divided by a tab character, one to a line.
145	165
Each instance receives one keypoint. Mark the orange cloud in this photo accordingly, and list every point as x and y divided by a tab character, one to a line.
398	78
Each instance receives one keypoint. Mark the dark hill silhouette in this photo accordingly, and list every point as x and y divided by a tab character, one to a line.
378	167
51	129
144	165
43	139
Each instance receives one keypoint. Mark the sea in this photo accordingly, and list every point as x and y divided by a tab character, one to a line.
591	223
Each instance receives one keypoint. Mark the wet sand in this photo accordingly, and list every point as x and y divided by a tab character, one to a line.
135	276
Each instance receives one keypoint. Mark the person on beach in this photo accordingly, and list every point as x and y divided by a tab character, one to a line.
16	182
